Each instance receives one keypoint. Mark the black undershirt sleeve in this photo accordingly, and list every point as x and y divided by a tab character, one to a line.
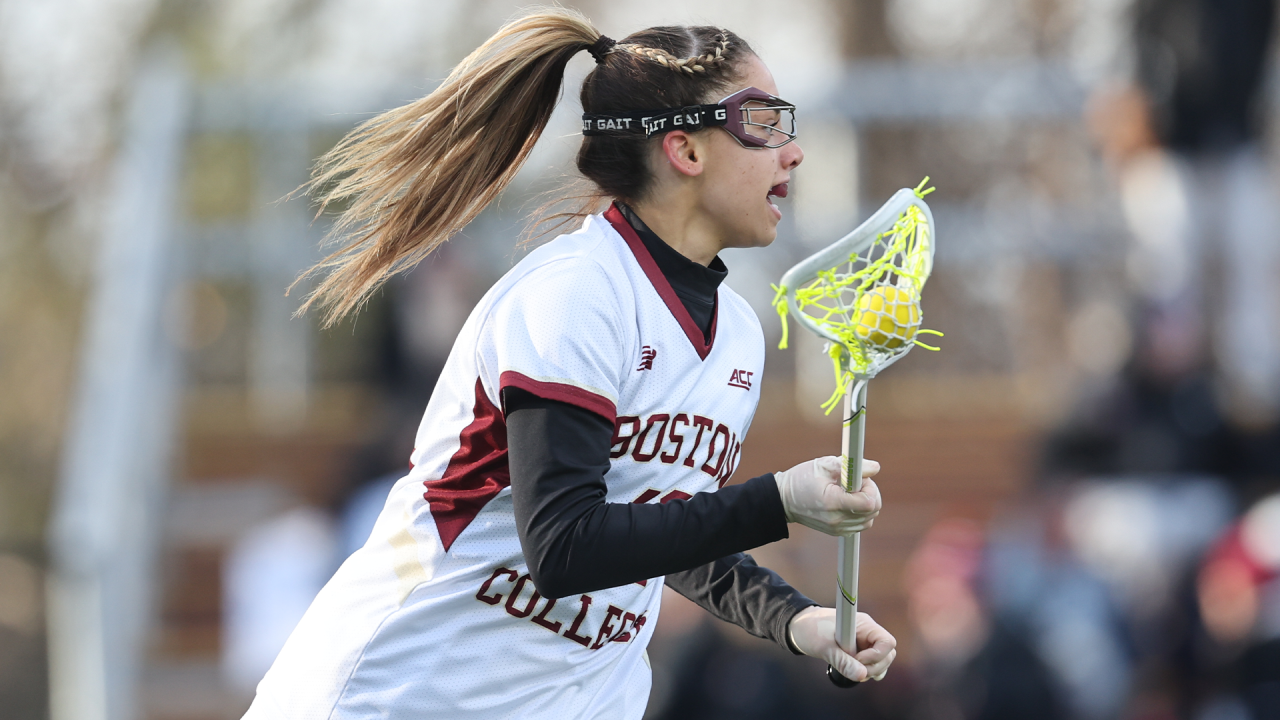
737	590
576	542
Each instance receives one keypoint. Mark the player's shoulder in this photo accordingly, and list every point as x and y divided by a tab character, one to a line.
734	305
730	298
578	272
587	256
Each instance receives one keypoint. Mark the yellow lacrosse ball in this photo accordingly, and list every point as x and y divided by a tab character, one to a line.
887	317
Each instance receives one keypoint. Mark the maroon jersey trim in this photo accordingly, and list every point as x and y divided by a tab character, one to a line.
561	392
476	473
668	295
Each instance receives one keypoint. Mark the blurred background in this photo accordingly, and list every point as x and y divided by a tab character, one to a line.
1081	519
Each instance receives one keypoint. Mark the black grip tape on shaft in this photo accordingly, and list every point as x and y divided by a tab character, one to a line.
839	680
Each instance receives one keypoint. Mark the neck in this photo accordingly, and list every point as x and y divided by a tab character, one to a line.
677	221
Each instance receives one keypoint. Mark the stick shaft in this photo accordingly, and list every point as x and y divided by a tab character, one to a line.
855	405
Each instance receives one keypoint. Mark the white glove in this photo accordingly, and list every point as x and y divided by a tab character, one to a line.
813	632
812	496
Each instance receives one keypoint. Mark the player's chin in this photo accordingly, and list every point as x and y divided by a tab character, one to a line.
766	230
769	231
764	238
760	229
760	238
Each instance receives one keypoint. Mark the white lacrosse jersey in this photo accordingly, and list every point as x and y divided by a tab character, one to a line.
436	617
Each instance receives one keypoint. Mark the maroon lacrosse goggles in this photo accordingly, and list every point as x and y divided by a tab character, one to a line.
766	120
752	116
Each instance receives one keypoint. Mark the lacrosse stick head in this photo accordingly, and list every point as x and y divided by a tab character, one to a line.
862	292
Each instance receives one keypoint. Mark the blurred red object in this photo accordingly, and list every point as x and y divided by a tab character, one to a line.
941	595
1243	560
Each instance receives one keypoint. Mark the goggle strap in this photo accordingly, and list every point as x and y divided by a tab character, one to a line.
653	122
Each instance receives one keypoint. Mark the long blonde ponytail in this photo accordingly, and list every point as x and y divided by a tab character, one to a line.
416	175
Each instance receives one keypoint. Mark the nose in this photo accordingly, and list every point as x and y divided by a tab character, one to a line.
792	155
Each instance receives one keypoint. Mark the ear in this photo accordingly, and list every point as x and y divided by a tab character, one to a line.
683	152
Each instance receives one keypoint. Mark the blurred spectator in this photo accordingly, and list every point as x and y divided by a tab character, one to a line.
971	664
1184	137
1239	596
1072	606
271	576
1141	536
1037	586
942	595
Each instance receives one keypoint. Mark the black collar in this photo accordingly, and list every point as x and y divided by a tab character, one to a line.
693	283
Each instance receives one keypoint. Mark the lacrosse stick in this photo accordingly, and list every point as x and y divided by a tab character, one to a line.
862	294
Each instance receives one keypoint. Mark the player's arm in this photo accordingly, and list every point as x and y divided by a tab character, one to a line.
737	590
575	541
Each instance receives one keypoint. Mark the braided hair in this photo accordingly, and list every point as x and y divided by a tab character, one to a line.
713	58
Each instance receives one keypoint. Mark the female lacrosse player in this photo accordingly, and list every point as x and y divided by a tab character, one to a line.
573	457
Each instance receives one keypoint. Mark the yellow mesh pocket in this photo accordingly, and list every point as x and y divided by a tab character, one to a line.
868	303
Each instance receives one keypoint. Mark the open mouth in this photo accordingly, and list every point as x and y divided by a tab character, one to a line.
779	190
